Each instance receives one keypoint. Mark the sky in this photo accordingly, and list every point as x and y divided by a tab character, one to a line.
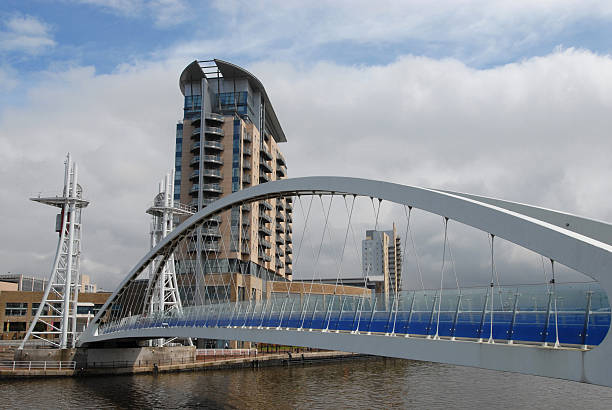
509	99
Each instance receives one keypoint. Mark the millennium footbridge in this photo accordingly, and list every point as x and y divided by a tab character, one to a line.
555	328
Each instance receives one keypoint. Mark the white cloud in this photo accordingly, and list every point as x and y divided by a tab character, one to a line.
535	131
476	31
26	34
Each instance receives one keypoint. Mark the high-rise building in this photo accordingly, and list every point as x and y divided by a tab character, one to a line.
229	140
382	257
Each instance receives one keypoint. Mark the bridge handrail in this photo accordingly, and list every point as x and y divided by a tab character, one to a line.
37	365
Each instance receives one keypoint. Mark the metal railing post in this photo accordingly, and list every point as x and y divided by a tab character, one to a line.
513	321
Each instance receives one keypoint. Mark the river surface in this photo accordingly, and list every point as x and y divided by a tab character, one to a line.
365	383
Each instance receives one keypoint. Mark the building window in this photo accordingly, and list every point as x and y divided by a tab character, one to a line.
16	309
14	326
35	309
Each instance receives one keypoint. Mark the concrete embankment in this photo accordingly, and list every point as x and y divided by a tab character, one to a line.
163	364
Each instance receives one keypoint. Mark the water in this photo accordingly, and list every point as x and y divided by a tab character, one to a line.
367	383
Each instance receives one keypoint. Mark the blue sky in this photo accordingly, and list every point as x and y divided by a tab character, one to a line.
501	98
109	33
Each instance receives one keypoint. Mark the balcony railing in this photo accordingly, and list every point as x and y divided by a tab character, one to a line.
280	159
246	207
280	216
214	116
212	173
263	177
211	232
212	188
213	158
265	244
247	138
195	174
265	204
279	240
282	171
215	130
245	250
280	252
194	160
266	231
196	131
246	164
246	178
194	188
195	146
264	150
263	164
246	152
279	228
265	217
213	144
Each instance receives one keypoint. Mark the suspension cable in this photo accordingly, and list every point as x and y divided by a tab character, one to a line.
437	336
554	290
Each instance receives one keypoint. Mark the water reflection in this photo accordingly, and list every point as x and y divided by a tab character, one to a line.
367	383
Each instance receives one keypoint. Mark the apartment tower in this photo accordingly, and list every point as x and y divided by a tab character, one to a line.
381	254
229	140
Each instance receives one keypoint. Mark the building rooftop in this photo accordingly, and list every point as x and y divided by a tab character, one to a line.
196	71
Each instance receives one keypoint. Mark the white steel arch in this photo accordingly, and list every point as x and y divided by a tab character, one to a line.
581	246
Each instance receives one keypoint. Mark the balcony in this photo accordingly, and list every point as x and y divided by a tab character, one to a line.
279	228
265	152
265	217
263	164
211	247
246	152
246	164
245	250
247	138
264	243
246	221
195	147
281	172
280	216
194	175
215	159
194	188
288	271
289	219
289	206
213	145
195	160
212	173
210	232
288	249
279	240
208	246
246	179
288	239
279	264
280	252
264	230
288	259
280	159
215	219
212	188
280	205
196	131
215	131
265	204
195	120
263	177
213	116
264	256
246	207
289	228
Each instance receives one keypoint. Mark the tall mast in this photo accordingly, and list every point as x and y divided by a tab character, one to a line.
56	316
